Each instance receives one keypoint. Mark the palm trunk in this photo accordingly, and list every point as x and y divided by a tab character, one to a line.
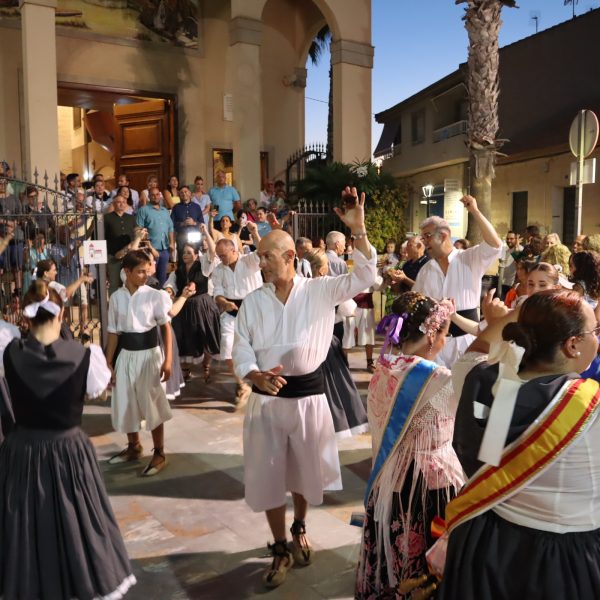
482	21
330	116
481	188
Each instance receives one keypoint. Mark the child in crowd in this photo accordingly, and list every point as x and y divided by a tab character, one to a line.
390	259
140	370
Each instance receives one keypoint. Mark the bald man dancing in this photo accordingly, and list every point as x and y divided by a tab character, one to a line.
282	335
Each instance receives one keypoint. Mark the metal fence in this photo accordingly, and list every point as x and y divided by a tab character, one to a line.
43	223
297	163
315	220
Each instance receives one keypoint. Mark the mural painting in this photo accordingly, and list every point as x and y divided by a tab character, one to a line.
162	21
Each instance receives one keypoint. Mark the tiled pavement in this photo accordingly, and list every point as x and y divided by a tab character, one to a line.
188	531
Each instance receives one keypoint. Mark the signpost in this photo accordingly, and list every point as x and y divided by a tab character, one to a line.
583	137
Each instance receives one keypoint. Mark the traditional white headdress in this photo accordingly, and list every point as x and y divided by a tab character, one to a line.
31	310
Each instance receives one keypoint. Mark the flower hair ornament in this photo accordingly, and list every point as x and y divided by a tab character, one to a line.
31	310
440	313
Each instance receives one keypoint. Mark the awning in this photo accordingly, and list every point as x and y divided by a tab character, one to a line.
387	139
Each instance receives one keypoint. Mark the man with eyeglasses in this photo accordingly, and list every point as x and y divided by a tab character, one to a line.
456	274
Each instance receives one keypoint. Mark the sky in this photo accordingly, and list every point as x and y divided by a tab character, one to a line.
418	42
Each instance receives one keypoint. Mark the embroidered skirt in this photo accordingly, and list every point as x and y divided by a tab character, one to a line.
412	511
59	538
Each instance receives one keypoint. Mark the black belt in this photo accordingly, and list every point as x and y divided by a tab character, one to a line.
469	313
299	386
139	341
237	302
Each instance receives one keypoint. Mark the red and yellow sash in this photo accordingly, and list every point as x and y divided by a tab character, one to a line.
537	448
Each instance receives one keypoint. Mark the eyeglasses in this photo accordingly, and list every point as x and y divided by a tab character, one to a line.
595	331
427	236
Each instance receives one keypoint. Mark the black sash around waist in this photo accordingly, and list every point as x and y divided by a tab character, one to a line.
469	313
139	341
299	386
237	302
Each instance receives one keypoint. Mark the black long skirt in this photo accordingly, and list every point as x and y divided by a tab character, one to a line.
489	557
59	539
198	328
343	397
7	418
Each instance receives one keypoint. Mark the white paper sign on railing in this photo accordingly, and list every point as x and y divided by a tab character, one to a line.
95	252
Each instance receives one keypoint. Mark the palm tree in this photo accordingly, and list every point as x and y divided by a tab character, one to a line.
482	22
573	3
318	47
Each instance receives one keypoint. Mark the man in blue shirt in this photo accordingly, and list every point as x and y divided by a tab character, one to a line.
161	233
224	198
187	217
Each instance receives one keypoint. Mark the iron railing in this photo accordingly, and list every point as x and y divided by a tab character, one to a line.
297	163
47	223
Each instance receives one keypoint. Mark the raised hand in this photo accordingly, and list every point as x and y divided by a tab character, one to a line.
189	290
493	308
353	216
469	203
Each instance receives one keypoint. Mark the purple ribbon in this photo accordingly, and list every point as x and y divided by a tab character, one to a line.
390	325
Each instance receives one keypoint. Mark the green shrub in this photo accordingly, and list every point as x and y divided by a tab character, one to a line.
385	201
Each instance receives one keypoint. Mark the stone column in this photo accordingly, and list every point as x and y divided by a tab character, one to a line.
38	40
245	39
352	119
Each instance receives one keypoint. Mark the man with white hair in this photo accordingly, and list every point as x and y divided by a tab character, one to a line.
336	246
456	274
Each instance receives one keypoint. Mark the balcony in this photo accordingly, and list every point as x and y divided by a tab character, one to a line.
449	131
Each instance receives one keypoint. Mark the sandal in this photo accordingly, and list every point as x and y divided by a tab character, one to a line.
151	469
187	373
128	454
370	365
206	373
302	552
275	575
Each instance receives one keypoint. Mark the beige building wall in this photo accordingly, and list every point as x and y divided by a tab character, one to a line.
201	78
544	179
416	211
10	94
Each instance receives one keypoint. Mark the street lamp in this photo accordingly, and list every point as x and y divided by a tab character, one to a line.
427	193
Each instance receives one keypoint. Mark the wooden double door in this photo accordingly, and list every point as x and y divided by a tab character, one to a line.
145	141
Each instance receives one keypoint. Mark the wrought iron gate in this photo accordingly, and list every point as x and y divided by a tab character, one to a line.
43	223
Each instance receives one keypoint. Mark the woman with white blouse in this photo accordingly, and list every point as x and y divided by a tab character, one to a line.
527	523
